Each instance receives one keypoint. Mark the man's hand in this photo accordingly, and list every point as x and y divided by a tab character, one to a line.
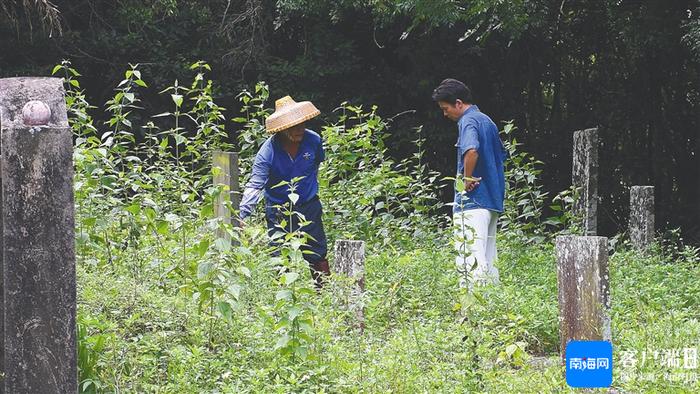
471	183
470	159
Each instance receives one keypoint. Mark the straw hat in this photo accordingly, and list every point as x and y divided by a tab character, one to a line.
289	113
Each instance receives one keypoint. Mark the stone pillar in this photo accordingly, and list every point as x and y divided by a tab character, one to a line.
227	175
585	178
584	291
38	252
641	216
2	279
350	261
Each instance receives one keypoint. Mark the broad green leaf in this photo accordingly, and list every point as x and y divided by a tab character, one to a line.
177	99
202	247
222	245
282	342
162	227
235	291
283	295
243	270
459	185
295	244
293	313
150	213
280	184
226	311
134	209
204	269
289	278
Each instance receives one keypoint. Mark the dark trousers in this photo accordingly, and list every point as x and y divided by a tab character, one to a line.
312	212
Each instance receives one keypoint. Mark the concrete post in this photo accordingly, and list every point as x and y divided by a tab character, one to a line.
585	178
584	291
641	226
38	252
227	175
350	261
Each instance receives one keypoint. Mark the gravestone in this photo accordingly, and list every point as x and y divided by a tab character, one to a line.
227	175
585	178
641	226
38	252
350	261
583	289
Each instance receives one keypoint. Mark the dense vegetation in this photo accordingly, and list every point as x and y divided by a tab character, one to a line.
167	305
629	67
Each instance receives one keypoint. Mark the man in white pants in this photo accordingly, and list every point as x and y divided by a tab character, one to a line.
480	157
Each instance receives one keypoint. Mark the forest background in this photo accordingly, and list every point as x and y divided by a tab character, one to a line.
631	68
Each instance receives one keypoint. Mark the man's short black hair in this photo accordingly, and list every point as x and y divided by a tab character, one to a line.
450	90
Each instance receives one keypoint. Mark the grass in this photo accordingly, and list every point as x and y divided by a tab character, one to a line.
421	334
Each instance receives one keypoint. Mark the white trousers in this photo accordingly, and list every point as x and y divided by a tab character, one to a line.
475	242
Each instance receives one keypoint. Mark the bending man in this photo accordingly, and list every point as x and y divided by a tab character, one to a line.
290	152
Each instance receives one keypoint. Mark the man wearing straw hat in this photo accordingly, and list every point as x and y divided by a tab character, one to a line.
290	152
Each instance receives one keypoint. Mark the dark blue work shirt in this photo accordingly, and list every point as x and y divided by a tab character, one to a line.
477	131
273	165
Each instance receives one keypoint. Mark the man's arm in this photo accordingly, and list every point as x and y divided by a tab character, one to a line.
470	159
469	144
258	180
250	199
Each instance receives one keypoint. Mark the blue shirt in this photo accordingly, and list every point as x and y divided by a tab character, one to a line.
273	165
477	131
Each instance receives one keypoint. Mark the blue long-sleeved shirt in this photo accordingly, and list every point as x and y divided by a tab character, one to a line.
273	165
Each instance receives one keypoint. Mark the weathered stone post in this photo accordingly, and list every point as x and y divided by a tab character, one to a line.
585	178
38	252
227	175
584	291
350	261
641	216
